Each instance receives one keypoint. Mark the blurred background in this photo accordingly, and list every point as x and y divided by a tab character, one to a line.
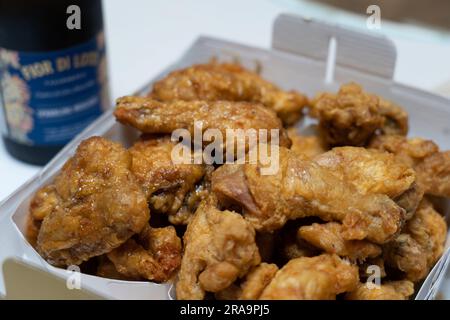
144	36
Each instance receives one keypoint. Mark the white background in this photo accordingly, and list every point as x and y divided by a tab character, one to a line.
145	36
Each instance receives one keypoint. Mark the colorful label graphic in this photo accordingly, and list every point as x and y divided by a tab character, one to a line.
46	98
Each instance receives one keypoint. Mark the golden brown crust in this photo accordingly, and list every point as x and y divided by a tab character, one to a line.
301	188
100	205
225	81
165	183
155	257
316	278
328	237
219	248
152	116
350	117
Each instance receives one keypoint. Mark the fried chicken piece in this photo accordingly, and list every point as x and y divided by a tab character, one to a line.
303	188
421	244
317	278
396	118
328	237
306	146
155	256
99	205
226	81
411	151
107	269
219	248
253	285
434	174
432	166
406	255
370	171
257	280
165	183
152	116
392	290
375	171
429	229
44	201
353	116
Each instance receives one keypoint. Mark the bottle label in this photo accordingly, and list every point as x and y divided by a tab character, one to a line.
48	97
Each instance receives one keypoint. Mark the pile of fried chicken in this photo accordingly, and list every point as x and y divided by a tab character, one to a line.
357	196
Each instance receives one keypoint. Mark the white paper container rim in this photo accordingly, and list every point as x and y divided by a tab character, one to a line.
429	117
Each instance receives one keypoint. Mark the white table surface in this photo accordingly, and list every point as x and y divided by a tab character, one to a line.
144	36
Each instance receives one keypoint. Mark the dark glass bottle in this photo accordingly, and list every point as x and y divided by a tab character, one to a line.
52	74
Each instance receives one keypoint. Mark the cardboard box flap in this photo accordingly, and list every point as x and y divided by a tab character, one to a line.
366	52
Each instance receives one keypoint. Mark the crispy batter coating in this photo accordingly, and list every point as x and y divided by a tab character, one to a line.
306	146
407	255
165	184
152	116
219	248
429	229
301	188
411	151
226	81
375	171
107	269
370	171
420	245
44	201
434	174
257	280
155	256
99	205
396	118
393	290
432	165
353	116
328	237
317	278
252	286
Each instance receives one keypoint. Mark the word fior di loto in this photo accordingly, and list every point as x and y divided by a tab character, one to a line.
48	67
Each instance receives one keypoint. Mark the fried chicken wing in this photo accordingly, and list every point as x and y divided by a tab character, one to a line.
155	256
393	290
96	205
165	184
420	245
301	188
432	166
225	81
328	237
317	278
306	146
375	171
370	171
152	116
353	116
219	248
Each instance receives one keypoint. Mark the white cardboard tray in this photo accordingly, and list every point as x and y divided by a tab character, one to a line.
301	58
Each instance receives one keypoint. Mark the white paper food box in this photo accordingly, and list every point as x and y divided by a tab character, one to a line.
301	58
